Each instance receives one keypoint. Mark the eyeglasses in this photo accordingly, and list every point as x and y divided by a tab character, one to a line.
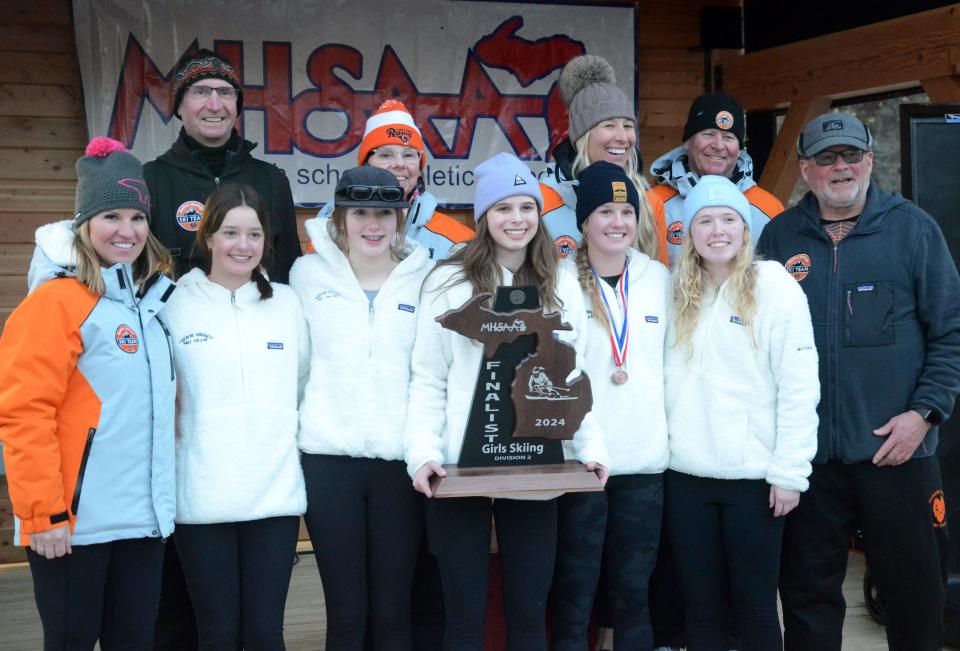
406	155
199	92
367	192
827	158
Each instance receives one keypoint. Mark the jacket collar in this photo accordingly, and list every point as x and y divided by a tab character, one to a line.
197	283
878	203
182	156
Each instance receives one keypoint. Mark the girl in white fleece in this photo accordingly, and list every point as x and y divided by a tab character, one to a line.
510	248
627	296
742	387
241	349
360	291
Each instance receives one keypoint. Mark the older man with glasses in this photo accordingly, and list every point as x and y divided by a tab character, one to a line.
208	99
884	295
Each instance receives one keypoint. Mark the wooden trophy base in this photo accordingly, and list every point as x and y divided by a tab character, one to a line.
515	481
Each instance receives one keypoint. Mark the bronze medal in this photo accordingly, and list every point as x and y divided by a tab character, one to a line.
619	376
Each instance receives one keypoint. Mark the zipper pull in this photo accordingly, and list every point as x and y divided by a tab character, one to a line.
850	301
233	299
216	180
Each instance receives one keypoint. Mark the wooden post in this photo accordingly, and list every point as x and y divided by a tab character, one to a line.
942	90
781	172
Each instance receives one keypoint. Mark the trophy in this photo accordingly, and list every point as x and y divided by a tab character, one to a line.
523	408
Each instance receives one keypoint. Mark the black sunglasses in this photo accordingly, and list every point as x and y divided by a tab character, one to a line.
368	192
826	158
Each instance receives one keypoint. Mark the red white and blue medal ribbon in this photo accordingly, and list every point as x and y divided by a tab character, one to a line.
619	336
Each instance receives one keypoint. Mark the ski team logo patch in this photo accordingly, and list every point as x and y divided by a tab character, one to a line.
724	120
566	245
798	266
938	507
675	233
127	339
189	215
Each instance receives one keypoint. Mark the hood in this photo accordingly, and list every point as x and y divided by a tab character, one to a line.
54	256
673	170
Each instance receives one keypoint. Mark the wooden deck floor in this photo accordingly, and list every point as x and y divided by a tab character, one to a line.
305	621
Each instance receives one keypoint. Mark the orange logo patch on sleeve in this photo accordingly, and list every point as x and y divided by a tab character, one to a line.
675	232
938	505
798	266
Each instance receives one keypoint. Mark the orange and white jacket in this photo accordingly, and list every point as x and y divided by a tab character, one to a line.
674	180
87	402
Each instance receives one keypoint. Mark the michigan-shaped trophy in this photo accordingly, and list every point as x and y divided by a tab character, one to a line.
523	406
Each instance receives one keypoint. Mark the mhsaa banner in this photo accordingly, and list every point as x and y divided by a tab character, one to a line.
479	77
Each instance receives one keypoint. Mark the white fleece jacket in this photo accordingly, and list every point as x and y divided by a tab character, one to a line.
736	410
356	399
241	365
632	415
445	368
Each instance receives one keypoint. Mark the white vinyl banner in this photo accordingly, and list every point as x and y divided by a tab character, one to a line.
479	77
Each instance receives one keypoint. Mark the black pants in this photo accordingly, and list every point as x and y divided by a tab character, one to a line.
630	510
238	575
724	527
176	628
904	539
459	536
365	522
107	592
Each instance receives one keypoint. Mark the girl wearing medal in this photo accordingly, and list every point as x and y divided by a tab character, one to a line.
361	291
741	373
626	296
510	248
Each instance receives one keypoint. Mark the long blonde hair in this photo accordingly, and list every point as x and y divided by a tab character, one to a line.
646	233
692	283
588	281
480	268
153	260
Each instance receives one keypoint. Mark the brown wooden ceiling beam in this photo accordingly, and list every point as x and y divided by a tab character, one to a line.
885	56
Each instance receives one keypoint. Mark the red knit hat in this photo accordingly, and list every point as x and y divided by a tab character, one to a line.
391	124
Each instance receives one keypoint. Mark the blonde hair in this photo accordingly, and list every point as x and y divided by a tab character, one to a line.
646	232
337	229
480	268
153	260
691	283
588	280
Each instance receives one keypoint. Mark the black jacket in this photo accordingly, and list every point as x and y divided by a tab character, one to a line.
178	177
885	304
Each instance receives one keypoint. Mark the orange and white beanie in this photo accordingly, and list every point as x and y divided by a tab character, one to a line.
391	124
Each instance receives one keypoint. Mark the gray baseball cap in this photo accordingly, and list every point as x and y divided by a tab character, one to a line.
832	129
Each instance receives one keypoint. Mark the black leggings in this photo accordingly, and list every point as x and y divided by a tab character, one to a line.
459	535
107	591
718	528
365	522
238	575
630	510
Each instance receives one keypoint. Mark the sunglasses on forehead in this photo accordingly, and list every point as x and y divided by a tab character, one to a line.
368	192
826	158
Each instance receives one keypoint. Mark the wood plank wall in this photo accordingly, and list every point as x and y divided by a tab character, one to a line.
43	130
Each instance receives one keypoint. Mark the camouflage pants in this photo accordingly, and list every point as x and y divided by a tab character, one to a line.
628	515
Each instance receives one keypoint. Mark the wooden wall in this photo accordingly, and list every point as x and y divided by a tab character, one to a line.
43	131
